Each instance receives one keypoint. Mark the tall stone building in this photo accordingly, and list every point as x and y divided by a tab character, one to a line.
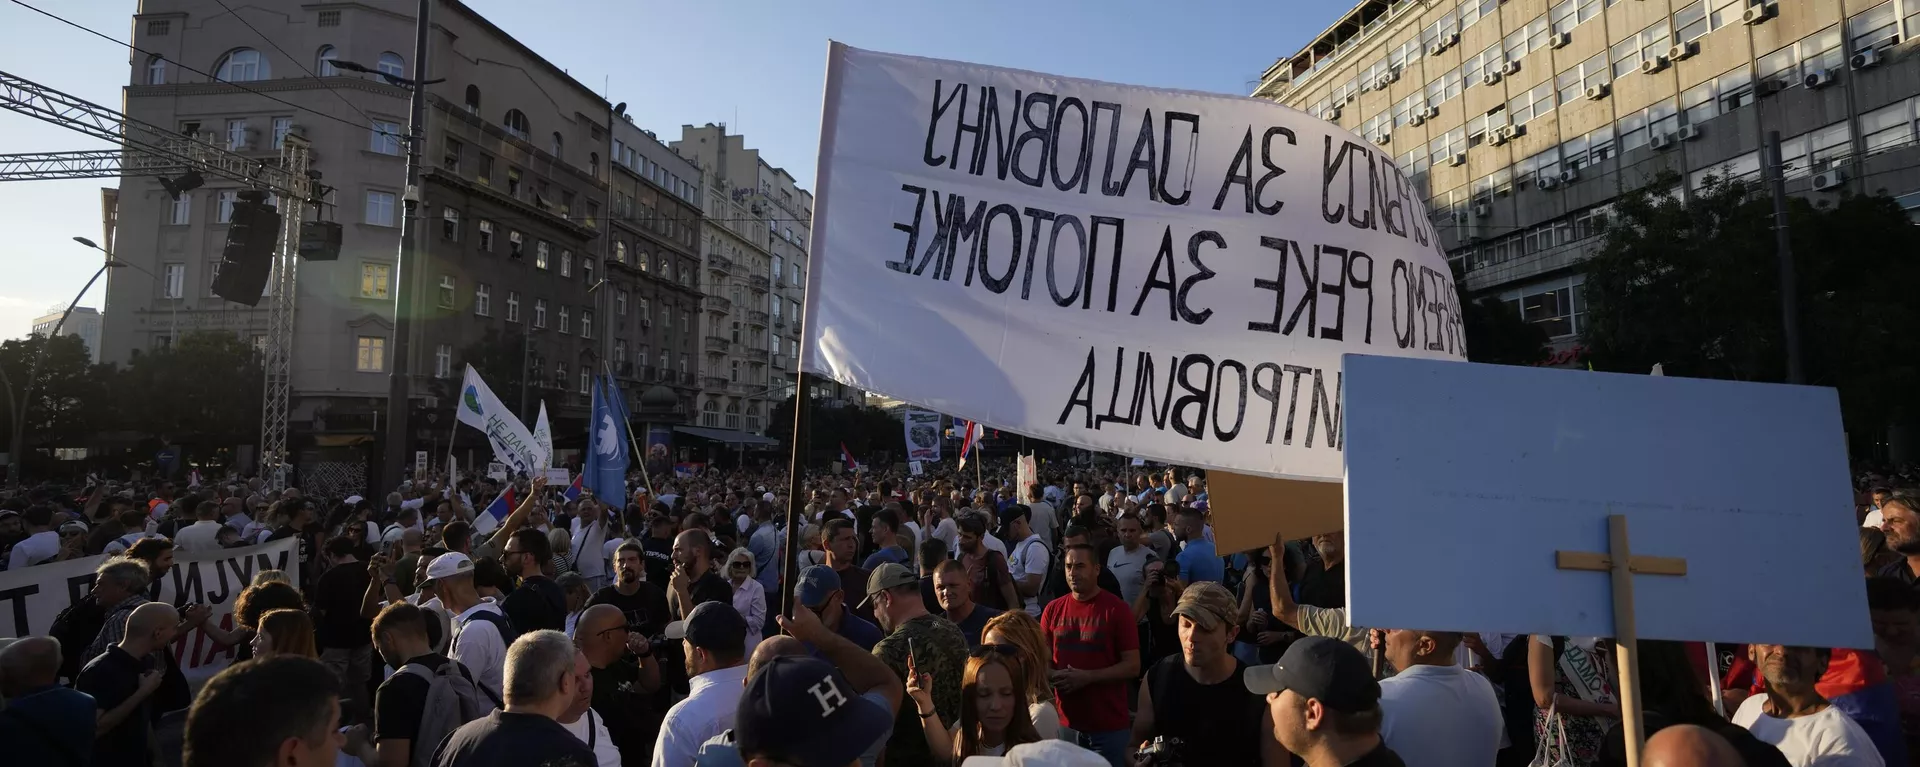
519	177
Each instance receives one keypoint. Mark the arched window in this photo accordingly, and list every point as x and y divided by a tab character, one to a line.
559	145
516	124
619	252
156	70
324	64
390	64
473	99
243	65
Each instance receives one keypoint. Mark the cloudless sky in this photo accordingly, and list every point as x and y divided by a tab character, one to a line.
756	65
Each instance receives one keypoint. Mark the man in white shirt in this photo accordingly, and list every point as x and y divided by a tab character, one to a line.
715	637
1029	558
204	533
1795	718
477	642
43	542
1434	712
589	538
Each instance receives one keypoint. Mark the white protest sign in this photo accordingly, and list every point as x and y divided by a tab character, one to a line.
916	468
512	444
923	434
419	463
1464	480
1150	272
1026	473
30	598
497	471
559	477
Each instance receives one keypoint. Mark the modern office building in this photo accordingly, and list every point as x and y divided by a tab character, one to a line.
83	322
519	171
1521	120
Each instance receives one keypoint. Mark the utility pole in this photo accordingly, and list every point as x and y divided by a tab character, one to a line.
1783	251
398	402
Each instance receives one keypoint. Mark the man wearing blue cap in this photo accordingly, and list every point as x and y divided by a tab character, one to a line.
820	590
800	712
1325	705
715	637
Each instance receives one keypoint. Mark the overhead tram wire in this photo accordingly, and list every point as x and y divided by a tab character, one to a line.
203	73
296	61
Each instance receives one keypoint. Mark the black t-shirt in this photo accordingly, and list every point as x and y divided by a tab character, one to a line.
501	739
659	556
853	583
928	596
537	604
646	608
306	542
1323	586
632	717
400	700
976	623
1379	757
111	679
710	588
1228	733
336	608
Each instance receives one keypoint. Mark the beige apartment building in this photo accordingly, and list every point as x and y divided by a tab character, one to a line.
1521	120
520	170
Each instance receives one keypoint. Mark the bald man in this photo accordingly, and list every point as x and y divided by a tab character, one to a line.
626	676
44	722
121	685
1686	745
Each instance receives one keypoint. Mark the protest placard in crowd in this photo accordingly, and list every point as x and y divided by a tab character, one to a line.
1159	273
30	598
922	433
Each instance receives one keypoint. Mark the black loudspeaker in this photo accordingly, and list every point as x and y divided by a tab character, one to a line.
320	241
246	262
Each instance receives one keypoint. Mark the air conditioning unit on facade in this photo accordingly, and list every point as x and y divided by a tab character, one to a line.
1599	92
1490	78
1560	40
1684	51
1497	137
1760	13
1654	64
1419	118
1513	131
1432	112
1829	180
1511	68
1569	176
1459	217
1663	141
1436	49
1452	39
1866	59
1382	137
1765	88
1689	132
1548	182
1458	159
1482	210
1819	78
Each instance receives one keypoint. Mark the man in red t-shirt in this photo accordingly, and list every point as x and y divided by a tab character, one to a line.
1096	652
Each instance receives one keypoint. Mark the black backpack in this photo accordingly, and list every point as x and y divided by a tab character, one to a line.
501	623
75	629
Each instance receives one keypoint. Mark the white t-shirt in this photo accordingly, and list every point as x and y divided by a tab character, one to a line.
1434	716
595	537
121	544
478	646
590	728
39	548
203	535
945	531
1029	558
1873	519
1827	739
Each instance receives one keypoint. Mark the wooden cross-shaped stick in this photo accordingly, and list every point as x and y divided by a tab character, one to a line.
1620	561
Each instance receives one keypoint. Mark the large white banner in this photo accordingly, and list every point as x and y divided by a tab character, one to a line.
30	598
1148	272
512	444
923	434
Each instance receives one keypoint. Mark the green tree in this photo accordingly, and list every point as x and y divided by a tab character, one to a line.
866	431
1694	285
68	400
205	391
1497	334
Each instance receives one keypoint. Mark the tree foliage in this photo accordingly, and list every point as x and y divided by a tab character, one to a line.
500	357
204	390
69	392
1694	285
1497	334
865	430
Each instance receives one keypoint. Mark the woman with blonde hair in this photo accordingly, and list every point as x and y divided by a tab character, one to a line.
270	576
562	542
993	693
749	596
284	632
1019	630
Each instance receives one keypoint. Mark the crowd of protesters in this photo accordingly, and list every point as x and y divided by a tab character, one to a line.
1083	619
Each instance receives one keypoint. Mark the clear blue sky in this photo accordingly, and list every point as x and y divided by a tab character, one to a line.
755	65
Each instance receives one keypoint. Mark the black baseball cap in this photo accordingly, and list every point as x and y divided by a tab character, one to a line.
1327	670
800	711
712	626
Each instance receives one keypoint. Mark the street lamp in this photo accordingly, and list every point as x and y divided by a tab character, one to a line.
394	79
18	405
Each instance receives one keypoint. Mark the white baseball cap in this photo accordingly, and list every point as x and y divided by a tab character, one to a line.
449	564
1050	753
768	497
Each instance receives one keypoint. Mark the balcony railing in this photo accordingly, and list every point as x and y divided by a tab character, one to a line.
717	343
757	282
716	304
717	382
720	264
757	317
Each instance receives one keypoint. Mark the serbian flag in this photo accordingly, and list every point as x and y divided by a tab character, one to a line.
495	513
974	432
847	458
573	490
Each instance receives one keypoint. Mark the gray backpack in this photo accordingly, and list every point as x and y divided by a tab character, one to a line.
453	699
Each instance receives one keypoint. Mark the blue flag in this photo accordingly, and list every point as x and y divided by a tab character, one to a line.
606	469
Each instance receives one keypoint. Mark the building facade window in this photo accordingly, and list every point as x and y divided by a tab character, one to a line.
539	312
236	135
180	211
375	281
586	323
281	127
391	64
516	124
516	244
380	208
243	65
443	360
565	325
513	306
620	302
485	231
370	354
483	299
445	297
450	224
174	280
156	70
540	252
566	263
223	214
384	138
323	61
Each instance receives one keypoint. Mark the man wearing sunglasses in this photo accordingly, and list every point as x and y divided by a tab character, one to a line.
626	678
